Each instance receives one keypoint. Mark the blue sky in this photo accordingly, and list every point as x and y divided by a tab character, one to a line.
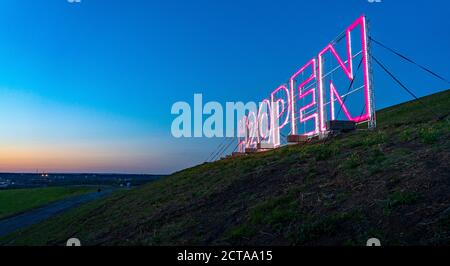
88	87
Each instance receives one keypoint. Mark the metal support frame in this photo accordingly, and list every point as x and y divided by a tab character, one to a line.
373	117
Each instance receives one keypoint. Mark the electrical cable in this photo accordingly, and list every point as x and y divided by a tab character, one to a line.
403	86
410	60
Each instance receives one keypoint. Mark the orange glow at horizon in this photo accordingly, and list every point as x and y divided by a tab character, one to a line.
69	158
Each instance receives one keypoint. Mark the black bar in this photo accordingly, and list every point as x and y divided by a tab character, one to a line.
223	255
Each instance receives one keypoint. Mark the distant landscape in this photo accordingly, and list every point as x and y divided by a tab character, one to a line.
27	180
26	199
391	183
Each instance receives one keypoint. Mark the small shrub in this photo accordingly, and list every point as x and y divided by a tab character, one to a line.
429	135
241	231
314	228
377	156
407	135
274	211
400	198
325	152
374	139
353	161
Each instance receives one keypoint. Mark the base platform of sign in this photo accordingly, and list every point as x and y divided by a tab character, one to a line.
341	126
265	146
297	139
251	150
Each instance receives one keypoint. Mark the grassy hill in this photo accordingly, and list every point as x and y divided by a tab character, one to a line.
392	183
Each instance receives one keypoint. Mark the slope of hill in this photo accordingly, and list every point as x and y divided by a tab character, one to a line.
392	183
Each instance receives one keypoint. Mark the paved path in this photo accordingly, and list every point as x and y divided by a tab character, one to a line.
35	216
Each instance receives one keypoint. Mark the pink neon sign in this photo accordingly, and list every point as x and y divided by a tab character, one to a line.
242	138
252	129
264	133
283	104
312	96
301	95
348	70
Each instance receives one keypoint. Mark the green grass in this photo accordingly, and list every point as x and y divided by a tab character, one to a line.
273	212
19	200
315	227
429	135
353	161
400	198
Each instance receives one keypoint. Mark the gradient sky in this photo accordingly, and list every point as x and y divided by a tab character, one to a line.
88	87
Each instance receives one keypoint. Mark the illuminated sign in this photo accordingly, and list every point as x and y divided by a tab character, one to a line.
334	85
